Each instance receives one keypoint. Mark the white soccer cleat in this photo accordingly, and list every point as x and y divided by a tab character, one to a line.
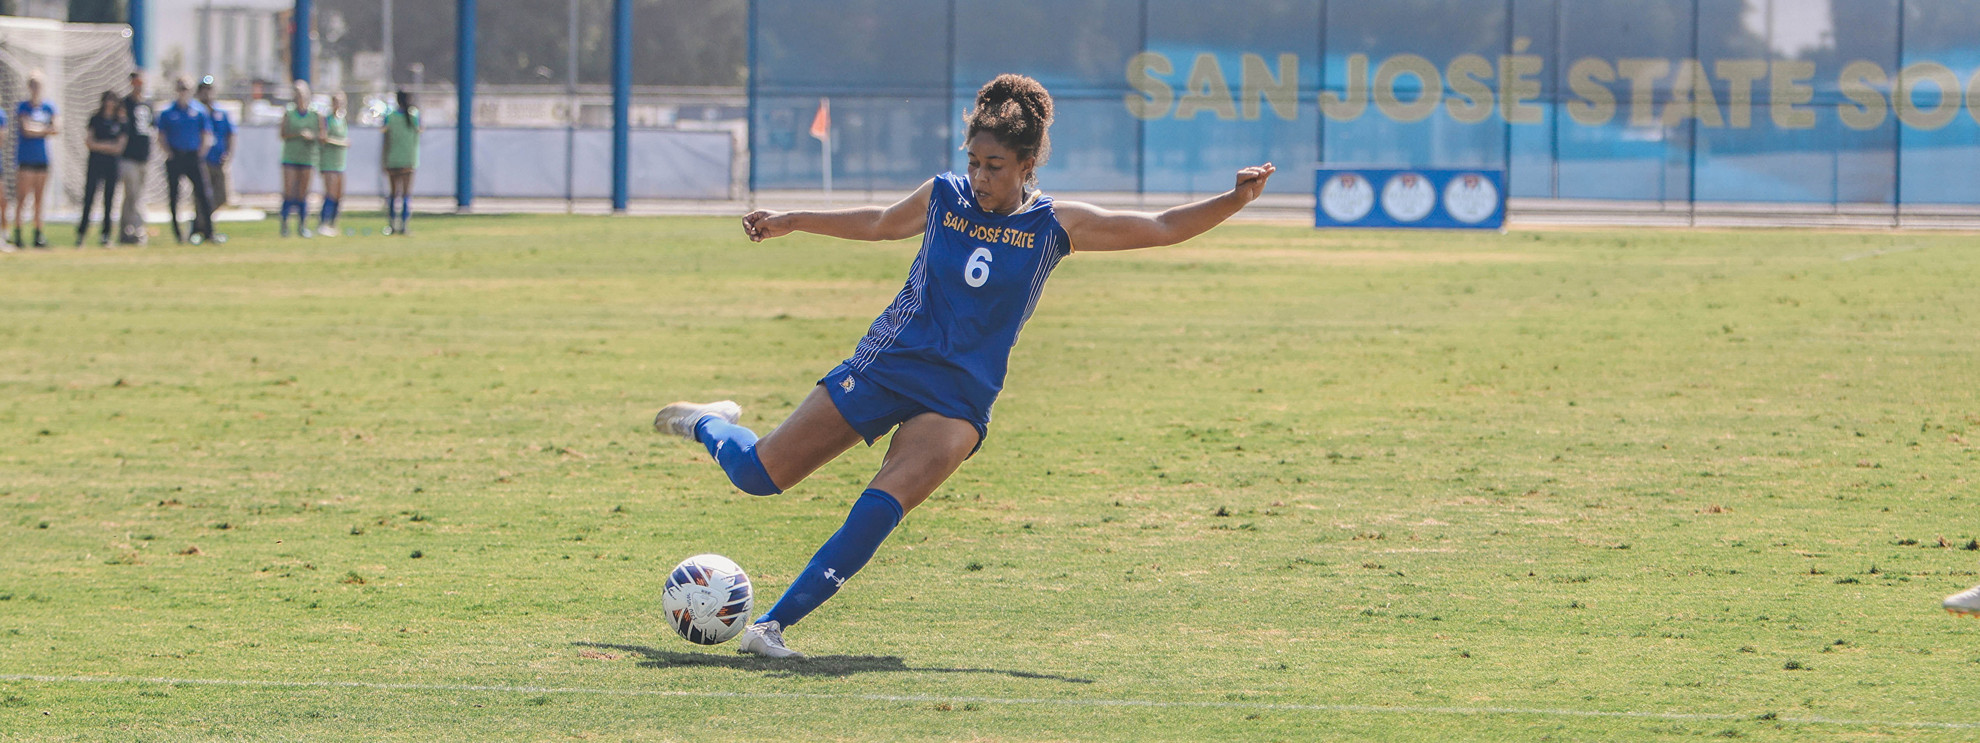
680	418
1965	602
765	639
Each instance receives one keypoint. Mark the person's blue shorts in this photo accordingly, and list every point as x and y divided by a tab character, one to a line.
873	410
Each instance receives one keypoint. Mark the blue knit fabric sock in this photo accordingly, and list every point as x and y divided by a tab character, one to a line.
734	447
405	211
391	213
873	517
328	213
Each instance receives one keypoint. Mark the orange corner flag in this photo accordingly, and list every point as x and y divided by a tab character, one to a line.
821	125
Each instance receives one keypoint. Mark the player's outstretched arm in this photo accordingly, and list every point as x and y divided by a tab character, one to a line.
1094	228
905	219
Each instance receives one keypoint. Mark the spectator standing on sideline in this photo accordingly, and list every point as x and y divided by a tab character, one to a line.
136	163
35	120
401	155
184	126
105	142
222	151
330	156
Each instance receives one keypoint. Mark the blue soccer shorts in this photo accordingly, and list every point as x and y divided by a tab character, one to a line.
873	410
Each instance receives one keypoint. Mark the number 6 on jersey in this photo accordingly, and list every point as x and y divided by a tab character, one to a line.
977	271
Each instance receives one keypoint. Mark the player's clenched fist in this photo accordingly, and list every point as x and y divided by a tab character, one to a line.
762	225
1251	181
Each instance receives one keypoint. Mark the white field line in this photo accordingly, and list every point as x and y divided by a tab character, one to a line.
1072	702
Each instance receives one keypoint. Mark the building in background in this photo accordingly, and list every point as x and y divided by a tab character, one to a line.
241	43
55	9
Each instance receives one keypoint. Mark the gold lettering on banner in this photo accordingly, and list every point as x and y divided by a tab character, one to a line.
1597	106
1973	96
1470	87
1791	94
1206	91
1356	102
1643	75
1866	108
1692	98
1152	96
1519	83
1940	77
1472	100
1739	75
1281	91
1392	105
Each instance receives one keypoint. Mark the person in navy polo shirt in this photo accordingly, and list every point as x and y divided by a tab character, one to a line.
222	150
184	126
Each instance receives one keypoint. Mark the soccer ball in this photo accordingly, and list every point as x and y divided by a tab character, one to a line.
708	599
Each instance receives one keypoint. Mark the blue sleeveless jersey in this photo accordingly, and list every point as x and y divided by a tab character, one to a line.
946	340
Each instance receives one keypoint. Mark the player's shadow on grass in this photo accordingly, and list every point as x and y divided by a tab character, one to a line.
816	665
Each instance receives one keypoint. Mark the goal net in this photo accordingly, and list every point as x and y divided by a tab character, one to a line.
77	62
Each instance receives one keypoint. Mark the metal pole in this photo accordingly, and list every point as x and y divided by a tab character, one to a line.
299	54
1897	126
1691	155
571	113
1554	103
464	33
621	100
205	39
136	14
385	16
750	126
1140	126
1505	117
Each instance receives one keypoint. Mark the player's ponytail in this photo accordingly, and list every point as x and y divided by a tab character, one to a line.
1018	112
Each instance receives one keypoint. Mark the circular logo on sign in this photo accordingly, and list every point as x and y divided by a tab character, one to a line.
1408	197
1471	198
1347	197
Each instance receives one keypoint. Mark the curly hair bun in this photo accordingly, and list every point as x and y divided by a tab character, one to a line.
1016	110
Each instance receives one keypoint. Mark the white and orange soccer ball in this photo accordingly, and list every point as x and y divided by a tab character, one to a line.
707	599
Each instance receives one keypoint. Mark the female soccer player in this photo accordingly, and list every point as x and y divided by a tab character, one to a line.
301	130
401	158
35	123
934	361
330	160
105	143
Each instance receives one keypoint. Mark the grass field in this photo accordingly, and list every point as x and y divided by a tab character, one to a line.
1272	484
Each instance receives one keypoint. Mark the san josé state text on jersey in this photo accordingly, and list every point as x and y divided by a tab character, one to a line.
946	339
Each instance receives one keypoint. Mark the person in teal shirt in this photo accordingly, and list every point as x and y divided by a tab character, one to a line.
330	162
401	158
302	129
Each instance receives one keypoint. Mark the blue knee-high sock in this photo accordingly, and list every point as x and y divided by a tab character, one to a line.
327	213
735	448
405	210
873	517
286	203
391	212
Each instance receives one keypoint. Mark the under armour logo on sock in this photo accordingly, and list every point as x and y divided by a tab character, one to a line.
833	577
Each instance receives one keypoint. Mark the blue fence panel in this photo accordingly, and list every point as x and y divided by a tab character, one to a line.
1857	101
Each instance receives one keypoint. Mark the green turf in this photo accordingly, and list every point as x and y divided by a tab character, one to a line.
1484	483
